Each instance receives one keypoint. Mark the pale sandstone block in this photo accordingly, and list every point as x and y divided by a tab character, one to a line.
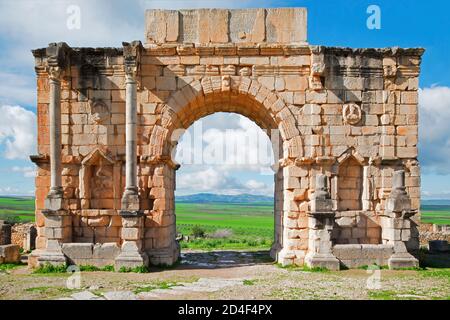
286	25
253	60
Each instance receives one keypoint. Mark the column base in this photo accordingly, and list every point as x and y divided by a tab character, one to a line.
321	260
130	200
275	250
166	256
42	257
402	260
285	257
130	260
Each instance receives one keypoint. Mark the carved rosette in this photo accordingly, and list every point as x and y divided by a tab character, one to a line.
351	113
99	111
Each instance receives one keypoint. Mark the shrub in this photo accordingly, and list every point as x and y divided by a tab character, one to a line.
140	269
198	232
11	218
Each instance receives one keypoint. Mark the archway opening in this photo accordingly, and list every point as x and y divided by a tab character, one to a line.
225	199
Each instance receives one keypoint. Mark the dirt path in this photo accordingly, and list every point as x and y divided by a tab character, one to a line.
227	275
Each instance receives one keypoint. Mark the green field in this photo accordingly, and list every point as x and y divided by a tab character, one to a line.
436	214
246	225
17	209
225	225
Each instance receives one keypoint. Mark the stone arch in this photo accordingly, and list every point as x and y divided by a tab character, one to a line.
209	95
248	97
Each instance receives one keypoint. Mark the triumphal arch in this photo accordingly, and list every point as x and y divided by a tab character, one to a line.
347	177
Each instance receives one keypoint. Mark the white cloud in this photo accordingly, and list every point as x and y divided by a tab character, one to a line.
17	132
8	191
237	143
209	179
434	129
217	180
28	172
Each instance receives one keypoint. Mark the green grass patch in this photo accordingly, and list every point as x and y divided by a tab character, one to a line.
139	269
9	266
373	267
52	290
90	268
249	282
159	285
302	268
437	273
382	295
49	268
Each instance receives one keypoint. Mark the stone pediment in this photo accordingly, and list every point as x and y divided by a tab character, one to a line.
97	156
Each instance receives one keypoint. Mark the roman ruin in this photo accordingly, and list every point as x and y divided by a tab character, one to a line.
347	184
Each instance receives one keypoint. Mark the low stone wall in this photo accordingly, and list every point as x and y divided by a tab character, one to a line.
24	235
429	232
358	255
5	233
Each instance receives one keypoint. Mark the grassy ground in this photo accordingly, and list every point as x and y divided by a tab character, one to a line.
257	281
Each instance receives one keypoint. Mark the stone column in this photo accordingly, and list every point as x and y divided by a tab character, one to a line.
132	233
366	192
396	223
55	195
130	198
320	224
58	222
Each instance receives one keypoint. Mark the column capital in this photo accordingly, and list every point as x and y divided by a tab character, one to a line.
57	60
132	56
54	73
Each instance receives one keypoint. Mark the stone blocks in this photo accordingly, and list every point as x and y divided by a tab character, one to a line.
99	255
203	26
358	255
9	253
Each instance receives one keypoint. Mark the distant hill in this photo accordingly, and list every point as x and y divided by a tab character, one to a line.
223	198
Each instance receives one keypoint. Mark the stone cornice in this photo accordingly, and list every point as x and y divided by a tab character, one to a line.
230	49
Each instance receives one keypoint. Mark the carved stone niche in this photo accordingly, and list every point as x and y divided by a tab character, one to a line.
99	181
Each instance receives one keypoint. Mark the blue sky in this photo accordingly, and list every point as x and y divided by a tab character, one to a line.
27	24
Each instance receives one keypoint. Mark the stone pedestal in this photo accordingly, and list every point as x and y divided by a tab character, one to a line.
58	230
132	234
320	224
320	245
396	224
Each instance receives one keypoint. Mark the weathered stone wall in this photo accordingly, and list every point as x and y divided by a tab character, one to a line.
24	235
350	114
